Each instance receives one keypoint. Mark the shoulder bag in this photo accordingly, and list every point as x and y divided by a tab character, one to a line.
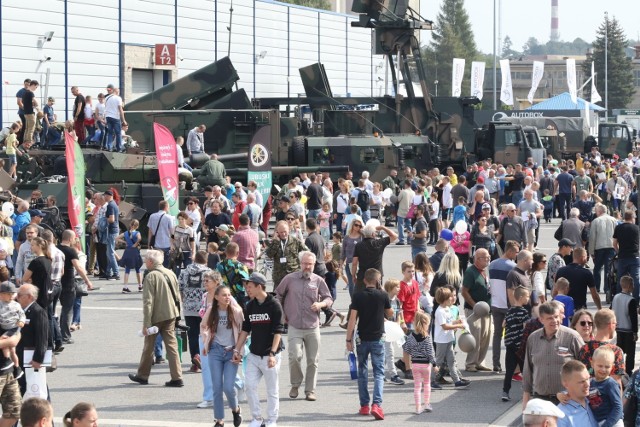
152	242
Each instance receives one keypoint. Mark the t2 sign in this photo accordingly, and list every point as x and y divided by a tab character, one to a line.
165	54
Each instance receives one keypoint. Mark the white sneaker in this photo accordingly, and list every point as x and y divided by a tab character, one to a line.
242	396
271	424
205	404
255	423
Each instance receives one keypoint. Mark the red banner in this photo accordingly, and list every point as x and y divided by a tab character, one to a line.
75	185
167	156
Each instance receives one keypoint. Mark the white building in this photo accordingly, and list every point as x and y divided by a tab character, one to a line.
112	41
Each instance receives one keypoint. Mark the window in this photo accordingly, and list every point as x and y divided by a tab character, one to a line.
372	155
141	81
323	156
636	78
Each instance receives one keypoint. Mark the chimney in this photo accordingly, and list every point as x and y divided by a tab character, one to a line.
555	28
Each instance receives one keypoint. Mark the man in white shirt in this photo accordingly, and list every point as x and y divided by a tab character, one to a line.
99	117
195	140
114	113
447	200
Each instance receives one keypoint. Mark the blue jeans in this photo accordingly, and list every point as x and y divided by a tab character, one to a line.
415	251
157	348
165	251
516	197
338	222
77	304
602	258
207	392
630	267
114	127
402	224
313	213
223	377
366	216
112	264
376	349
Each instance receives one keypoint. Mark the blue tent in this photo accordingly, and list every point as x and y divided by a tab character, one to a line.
563	102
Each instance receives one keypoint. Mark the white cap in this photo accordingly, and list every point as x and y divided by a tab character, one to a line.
542	407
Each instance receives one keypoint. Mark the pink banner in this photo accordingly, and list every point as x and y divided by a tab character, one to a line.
167	157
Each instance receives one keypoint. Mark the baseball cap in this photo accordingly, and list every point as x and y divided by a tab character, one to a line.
285	199
480	179
565	242
108	193
257	278
542	407
110	86
37	212
223	227
547	172
7	288
486	206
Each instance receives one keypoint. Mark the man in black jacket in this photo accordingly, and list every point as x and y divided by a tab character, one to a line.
35	333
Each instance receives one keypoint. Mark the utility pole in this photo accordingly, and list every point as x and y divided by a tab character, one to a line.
606	66
495	72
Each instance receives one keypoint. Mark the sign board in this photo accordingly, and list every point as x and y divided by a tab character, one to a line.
260	162
165	54
629	113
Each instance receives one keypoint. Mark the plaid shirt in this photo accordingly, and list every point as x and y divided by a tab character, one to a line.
57	263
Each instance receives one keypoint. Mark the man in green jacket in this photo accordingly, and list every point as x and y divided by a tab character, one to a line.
284	250
212	172
160	308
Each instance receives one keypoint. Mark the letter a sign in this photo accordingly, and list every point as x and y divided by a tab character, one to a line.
165	54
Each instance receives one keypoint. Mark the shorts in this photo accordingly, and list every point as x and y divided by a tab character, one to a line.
11	332
13	159
446	213
10	397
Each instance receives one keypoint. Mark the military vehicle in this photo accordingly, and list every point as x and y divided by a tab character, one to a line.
508	143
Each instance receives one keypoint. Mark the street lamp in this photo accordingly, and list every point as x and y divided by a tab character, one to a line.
435	83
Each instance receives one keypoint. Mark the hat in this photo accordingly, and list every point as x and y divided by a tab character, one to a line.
486	206
208	188
480	179
37	212
565	242
285	199
108	193
7	288
110	86
257	278
542	407
52	99
547	172
223	227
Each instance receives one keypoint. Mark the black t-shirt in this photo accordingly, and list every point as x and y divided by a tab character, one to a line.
79	101
212	221
627	235
315	243
27	102
263	321
369	253
314	196
370	303
580	281
40	269
68	277
518	182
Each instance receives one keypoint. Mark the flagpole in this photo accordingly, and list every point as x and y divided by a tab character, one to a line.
495	79
606	66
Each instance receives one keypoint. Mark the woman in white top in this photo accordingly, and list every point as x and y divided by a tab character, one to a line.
182	244
537	278
195	218
342	206
377	202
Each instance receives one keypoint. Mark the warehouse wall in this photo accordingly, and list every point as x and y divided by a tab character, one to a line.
88	46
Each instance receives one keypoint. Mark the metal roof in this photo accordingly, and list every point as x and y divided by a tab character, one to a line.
564	102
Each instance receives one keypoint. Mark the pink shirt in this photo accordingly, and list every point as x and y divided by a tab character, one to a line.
247	240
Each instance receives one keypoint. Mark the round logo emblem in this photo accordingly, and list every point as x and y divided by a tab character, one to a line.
259	155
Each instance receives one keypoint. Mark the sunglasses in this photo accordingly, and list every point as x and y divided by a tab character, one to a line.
585	323
290	219
357	225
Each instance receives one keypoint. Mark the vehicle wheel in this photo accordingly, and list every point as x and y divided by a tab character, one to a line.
299	149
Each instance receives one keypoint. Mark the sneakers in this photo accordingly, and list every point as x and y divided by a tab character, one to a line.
256	423
194	369
174	383
408	374
505	396
7	364
428	408
139	288
237	417
137	379
218	424
517	377
293	393
364	410
444	381
205	404
159	360
125	290
400	365
419	411
377	412
330	319
17	372
461	384
196	361
396	380
311	396
497	369
471	369
435	386
483	368
270	424
112	278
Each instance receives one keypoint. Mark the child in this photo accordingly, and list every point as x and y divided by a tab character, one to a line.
223	237
513	323
604	392
459	212
420	347
296	231
392	287
353	213
331	278
12	148
625	306
444	337
336	255
562	287
434	217
12	318
547	202
323	218
409	296
213	257
131	258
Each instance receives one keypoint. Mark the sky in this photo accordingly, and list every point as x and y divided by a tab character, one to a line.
521	19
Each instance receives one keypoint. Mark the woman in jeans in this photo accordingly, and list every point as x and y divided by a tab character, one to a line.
353	237
220	330
211	280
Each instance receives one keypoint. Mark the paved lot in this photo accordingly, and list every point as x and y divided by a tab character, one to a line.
107	348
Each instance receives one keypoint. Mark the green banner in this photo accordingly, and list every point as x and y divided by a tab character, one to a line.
259	169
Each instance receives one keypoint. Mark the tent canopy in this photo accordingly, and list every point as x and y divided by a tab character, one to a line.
564	102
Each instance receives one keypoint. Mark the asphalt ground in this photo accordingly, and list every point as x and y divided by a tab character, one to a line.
107	348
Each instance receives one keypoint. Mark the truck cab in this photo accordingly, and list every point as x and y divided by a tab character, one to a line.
503	142
616	138
538	150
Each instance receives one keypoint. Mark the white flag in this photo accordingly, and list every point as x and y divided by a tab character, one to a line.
477	79
571	79
587	114
506	91
536	76
595	96
457	76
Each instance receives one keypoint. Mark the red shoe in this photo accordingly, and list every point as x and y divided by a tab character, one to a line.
517	377
364	410
377	412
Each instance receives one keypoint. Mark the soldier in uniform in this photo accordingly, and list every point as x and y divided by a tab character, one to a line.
284	250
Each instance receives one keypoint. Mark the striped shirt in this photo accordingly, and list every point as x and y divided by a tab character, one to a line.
420	349
57	263
515	320
544	358
498	272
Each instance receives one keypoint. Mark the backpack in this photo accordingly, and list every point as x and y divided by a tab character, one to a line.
363	200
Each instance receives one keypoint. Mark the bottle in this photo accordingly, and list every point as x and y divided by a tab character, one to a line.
151	331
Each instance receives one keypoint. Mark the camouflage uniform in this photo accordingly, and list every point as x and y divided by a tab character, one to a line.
291	251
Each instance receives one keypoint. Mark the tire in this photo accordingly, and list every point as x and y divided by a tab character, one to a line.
299	151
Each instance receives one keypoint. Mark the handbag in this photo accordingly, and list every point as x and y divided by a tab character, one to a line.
82	290
558	234
36	383
152	241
